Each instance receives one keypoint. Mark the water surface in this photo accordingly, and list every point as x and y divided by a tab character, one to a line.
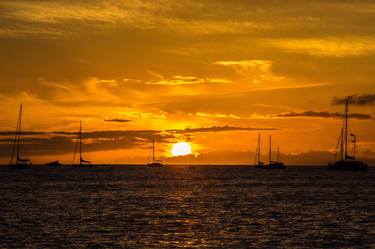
210	206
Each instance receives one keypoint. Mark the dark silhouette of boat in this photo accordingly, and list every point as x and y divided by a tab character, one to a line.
82	163
16	162
272	164
54	164
344	161
155	163
258	162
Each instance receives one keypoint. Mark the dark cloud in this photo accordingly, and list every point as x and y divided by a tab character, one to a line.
219	128
54	143
324	115
360	100
62	142
117	120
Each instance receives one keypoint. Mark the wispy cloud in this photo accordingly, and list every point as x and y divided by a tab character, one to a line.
116	120
187	80
219	129
326	47
255	71
315	114
360	100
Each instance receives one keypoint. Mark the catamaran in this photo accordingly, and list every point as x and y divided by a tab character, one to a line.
155	163
345	161
82	163
16	162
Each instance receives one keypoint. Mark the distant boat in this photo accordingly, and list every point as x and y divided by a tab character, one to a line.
345	161
272	164
54	164
16	162
258	162
82	163
155	163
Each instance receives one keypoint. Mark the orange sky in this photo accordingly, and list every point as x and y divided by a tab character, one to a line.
213	73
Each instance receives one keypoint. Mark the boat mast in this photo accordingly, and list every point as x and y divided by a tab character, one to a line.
278	153
270	152
346	129
257	152
342	145
18	145
153	150
16	138
80	142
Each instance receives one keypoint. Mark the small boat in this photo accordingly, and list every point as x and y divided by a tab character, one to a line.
82	162
272	164
16	162
54	164
258	162
155	163
345	161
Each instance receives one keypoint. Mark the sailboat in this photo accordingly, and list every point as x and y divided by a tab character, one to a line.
258	163
82	163
16	162
274	164
53	164
155	163
345	161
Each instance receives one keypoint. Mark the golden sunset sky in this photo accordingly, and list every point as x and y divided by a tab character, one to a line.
213	73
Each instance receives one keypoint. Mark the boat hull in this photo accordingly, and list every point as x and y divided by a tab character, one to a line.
276	165
155	165
348	166
54	164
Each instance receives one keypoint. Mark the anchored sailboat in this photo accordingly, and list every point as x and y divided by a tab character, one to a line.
258	163
82	163
272	164
16	162
155	163
345	161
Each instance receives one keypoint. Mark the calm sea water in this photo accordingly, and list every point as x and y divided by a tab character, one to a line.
211	206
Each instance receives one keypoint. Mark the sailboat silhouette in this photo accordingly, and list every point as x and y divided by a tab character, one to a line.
155	163
345	161
82	163
16	162
271	163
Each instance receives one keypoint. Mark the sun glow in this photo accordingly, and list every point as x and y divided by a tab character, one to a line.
181	149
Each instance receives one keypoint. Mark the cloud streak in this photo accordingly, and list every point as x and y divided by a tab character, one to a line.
315	114
219	129
117	120
359	100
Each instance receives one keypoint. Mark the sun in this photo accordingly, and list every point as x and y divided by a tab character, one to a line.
181	149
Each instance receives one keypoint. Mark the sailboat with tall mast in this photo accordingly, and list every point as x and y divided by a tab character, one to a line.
258	162
16	162
271	163
345	161
82	162
155	163
274	164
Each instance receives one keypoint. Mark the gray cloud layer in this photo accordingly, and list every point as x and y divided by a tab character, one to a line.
60	142
219	128
360	100
324	115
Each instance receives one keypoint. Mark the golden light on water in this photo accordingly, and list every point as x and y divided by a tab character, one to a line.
181	149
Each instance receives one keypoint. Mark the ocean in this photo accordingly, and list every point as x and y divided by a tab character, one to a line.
190	207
